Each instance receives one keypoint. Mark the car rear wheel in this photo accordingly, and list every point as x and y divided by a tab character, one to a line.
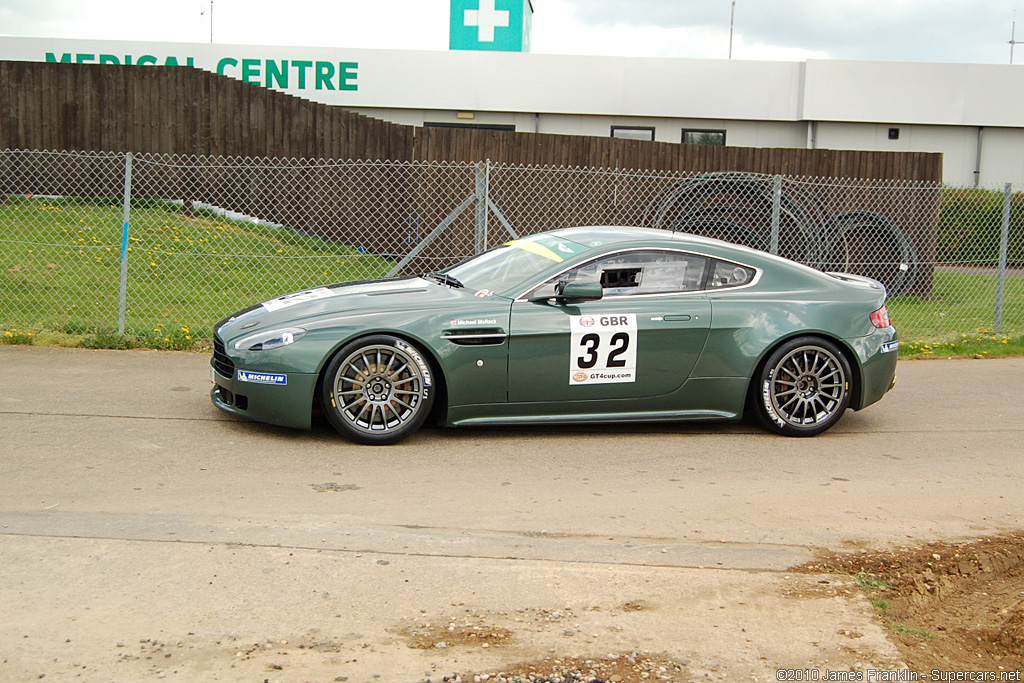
804	388
377	390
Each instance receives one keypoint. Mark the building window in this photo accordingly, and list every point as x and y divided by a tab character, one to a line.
478	126
633	133
704	137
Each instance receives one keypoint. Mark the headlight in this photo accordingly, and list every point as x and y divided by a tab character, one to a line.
271	339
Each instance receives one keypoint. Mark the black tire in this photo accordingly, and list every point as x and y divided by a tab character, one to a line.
803	388
377	390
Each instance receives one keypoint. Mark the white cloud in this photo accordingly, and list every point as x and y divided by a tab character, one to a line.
561	28
909	30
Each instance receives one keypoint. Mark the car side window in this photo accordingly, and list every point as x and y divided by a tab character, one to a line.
730	275
636	272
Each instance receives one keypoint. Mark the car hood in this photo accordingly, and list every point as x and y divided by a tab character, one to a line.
377	296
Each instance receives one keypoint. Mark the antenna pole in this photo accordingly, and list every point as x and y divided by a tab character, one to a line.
1013	35
732	22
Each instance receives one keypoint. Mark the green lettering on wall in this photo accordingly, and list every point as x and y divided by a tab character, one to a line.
301	66
277	72
64	58
109	59
324	74
251	70
84	58
226	62
146	59
347	75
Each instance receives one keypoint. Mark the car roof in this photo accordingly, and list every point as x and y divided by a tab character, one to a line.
622	236
618	234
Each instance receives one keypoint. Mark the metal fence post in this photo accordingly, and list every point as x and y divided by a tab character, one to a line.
1004	241
482	179
125	215
773	246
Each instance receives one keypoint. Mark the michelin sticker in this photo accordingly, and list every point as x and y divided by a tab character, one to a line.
261	378
602	348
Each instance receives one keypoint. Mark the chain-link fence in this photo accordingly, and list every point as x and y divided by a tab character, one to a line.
161	245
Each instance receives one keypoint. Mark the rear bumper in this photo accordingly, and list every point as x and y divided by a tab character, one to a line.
878	353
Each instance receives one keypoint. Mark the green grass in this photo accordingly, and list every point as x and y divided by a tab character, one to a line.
908	632
872	587
956	319
870	583
958	302
60	273
977	343
60	269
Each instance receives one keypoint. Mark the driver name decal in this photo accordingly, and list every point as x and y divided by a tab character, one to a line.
602	348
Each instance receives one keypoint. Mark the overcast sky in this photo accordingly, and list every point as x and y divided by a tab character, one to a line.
903	30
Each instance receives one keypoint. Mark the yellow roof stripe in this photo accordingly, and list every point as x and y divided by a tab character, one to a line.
534	248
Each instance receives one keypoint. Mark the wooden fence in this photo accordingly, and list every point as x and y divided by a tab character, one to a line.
454	144
182	110
179	110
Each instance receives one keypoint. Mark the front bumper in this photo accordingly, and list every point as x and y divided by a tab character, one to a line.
263	397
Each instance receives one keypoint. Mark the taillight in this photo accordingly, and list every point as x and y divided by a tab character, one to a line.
880	318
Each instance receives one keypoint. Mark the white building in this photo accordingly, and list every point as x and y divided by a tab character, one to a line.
972	113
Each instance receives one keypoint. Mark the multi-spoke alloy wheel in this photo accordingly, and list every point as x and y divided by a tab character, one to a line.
804	387
377	390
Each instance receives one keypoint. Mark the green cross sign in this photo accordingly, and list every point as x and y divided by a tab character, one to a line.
498	25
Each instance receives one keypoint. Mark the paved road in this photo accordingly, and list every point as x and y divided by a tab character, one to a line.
138	521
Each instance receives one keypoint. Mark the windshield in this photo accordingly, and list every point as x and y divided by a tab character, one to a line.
515	262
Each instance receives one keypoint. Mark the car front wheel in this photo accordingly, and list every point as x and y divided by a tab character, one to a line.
377	390
804	388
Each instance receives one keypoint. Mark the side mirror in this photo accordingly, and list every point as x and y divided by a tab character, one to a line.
581	291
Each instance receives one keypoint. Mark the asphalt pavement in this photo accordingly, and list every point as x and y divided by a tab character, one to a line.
144	533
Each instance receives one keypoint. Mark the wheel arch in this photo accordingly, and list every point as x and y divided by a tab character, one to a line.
438	381
856	381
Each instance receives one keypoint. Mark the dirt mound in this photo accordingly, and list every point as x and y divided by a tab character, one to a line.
614	668
949	606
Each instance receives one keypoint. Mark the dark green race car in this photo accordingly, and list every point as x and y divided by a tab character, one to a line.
601	324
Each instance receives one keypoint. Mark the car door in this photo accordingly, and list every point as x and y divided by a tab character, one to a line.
641	338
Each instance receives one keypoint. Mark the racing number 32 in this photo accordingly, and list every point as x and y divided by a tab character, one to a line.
592	340
602	348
